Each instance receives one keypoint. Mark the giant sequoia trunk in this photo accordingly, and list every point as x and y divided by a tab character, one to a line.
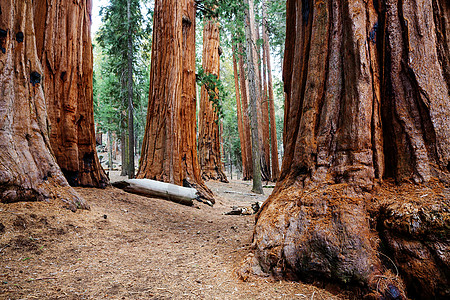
28	169
169	147
209	134
190	164
364	190
63	38
161	159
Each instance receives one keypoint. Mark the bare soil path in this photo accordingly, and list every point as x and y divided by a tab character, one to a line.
132	247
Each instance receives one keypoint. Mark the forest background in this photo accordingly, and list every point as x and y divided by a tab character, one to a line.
109	36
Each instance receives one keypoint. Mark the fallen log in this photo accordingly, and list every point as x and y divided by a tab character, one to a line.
152	188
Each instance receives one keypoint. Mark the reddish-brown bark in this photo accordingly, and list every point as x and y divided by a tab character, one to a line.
190	164
28	169
367	100
239	116
169	151
209	134
161	158
64	46
245	116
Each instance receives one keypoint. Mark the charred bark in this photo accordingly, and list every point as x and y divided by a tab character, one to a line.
28	169
63	39
209	135
367	101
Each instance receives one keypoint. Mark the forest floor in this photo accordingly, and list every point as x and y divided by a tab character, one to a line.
132	247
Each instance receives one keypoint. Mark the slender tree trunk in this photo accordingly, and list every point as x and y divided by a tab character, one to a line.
263	111
367	101
265	117
209	143
239	114
245	116
124	149
63	39
28	169
253	96
110	151
273	125
190	164
130	54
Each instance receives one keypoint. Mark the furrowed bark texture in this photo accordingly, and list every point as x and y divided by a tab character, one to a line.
245	115
273	125
28	169
64	46
239	116
367	99
209	135
190	164
169	148
253	95
161	158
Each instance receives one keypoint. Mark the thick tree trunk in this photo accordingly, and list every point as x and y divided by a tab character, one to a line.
253	97
190	164
28	169
245	115
161	159
131	167
209	135
367	99
169	147
63	39
273	125
239	116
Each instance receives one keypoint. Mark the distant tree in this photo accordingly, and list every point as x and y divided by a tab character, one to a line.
120	38
209	134
270	96
254	95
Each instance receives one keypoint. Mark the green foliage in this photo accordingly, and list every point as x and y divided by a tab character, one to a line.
215	89
111	65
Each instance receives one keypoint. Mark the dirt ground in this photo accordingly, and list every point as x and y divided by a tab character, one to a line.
132	247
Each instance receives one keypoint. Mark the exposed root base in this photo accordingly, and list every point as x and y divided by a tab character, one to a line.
394	241
48	190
